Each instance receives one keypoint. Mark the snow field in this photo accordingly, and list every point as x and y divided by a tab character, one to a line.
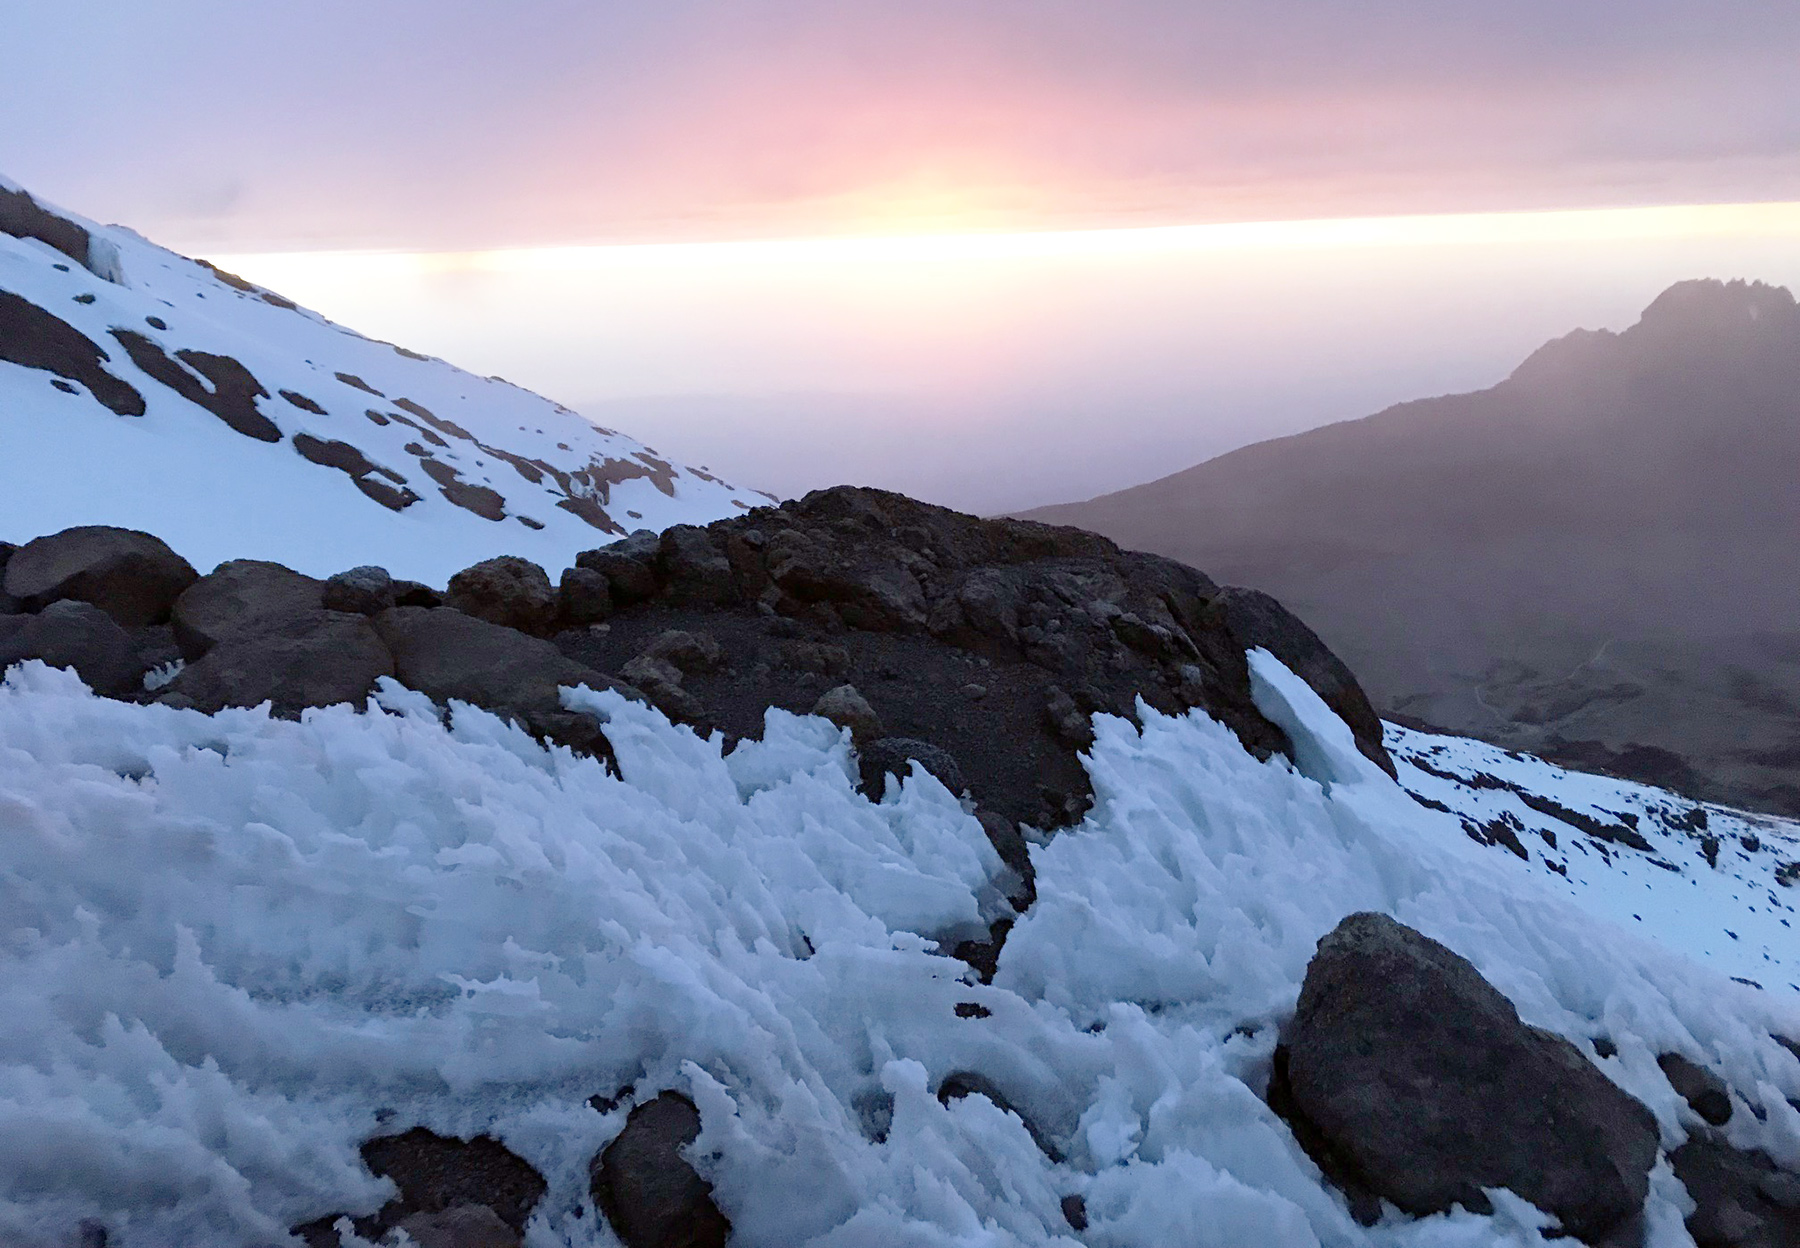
235	947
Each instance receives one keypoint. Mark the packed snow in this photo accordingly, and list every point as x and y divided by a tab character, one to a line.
212	493
237	946
1720	885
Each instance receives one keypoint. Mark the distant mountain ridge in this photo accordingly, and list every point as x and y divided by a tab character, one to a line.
143	389
1598	557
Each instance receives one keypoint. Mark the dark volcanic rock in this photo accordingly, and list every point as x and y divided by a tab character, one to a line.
131	576
317	659
217	383
508	590
1705	1093
1742	1199
648	1191
365	590
886	756
78	635
34	338
583	597
445	1186
1256	619
847	708
1425	1087
445	654
912	605
244	598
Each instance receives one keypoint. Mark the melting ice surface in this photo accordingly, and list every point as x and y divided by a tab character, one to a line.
234	947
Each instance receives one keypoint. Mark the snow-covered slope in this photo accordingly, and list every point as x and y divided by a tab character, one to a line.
1720	885
236	946
143	389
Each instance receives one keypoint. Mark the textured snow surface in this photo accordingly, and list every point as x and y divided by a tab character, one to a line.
234	947
212	493
1710	884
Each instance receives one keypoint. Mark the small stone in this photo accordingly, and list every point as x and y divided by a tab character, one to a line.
366	590
974	692
691	652
1074	1211
1704	1092
847	708
884	756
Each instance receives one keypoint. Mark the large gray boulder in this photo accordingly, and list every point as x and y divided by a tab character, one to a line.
132	576
321	659
78	635
508	590
241	599
446	654
649	1192
1423	1085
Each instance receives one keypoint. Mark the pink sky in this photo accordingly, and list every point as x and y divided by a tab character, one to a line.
216	125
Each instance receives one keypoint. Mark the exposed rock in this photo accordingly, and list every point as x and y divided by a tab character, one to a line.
1742	1199
661	682
584	597
34	338
461	1187
414	594
912	604
216	383
1425	1087
365	590
131	576
886	756
78	635
445	654
244	598
318	659
691	652
463	1226
847	708
1256	619
508	590
1705	1093
651	1194
960	1083
1074	1211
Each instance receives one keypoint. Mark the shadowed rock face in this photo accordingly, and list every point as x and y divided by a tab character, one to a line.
1597	559
131	576
1409	1077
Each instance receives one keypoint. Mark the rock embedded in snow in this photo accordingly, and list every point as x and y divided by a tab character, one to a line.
464	1226
506	590
68	633
243	599
134	577
885	756
320	659
1426	1086
1742	1199
650	1192
1705	1093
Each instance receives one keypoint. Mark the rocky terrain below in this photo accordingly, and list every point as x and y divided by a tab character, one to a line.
973	650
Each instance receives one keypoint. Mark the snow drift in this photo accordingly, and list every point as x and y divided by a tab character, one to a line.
236	946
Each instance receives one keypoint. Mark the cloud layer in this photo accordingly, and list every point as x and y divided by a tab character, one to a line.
459	123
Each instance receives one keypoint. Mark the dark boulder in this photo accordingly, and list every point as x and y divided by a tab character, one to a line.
1742	1199
695	569
583	597
78	635
446	655
510	591
447	1188
245	598
132	576
322	658
1704	1092
629	566
649	1192
847	708
885	756
1425	1087
365	590
1256	619
690	652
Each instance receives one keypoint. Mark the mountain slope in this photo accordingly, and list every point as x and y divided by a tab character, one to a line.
1600	556
146	390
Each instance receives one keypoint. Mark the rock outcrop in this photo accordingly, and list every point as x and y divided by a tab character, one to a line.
1410	1078
133	577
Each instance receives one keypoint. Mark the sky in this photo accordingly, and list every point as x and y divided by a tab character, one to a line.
568	193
